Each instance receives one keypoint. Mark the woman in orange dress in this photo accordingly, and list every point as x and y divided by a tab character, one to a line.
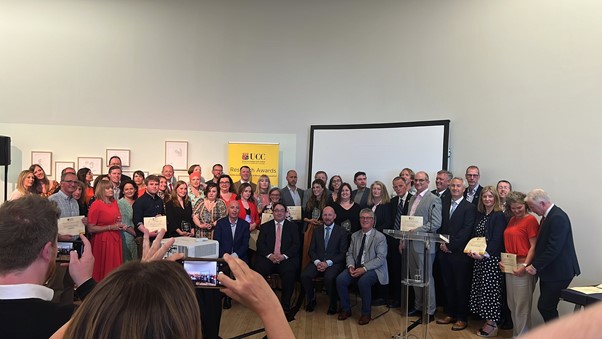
106	225
85	175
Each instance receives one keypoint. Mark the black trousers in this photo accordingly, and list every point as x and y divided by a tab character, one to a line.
330	279
287	270
210	305
549	296
456	274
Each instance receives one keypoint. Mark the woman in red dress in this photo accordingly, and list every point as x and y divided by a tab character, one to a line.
105	225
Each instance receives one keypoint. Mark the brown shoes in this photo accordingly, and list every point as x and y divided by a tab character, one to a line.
459	325
446	320
364	319
344	314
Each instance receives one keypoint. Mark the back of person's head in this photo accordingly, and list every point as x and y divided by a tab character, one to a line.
139	300
26	226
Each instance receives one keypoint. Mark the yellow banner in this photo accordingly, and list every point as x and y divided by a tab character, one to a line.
261	159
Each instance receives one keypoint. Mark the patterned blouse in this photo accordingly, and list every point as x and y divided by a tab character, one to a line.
207	216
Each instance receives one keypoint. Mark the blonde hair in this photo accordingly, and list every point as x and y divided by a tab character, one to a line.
22	176
258	190
496	199
385	195
99	194
140	300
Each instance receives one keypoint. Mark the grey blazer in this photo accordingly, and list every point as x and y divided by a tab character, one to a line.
287	198
429	207
375	253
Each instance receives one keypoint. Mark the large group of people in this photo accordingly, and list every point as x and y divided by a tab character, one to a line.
338	236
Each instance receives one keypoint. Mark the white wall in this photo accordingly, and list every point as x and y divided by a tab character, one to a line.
520	80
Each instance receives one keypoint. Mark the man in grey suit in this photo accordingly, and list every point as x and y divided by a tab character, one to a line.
291	194
428	206
366	265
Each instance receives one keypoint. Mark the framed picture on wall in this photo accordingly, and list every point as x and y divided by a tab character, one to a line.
59	166
176	154
123	154
44	159
93	163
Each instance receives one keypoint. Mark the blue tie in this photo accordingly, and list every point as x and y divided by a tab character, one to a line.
327	237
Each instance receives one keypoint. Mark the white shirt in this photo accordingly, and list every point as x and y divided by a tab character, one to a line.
25	291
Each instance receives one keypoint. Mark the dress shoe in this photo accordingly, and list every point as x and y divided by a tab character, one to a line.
459	325
415	313
364	319
431	319
394	304
446	320
311	306
488	330
344	315
331	310
227	303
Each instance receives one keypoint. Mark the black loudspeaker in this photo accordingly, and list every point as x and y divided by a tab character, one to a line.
4	150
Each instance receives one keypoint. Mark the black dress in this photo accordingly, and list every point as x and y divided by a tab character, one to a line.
348	219
175	215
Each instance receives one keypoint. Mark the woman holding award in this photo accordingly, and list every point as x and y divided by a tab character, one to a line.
486	290
313	214
178	211
348	212
262	193
208	211
128	194
105	224
520	237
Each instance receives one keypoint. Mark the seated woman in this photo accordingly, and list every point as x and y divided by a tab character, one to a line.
138	178
128	194
262	197
178	210
25	184
195	191
164	287
42	185
105	224
226	189
248	210
85	175
208	211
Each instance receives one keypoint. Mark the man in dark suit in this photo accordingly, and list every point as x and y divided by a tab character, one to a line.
278	252
555	260
458	216
26	264
291	194
116	161
428	206
360	195
168	172
327	252
366	265
245	177
232	234
395	264
473	192
442	186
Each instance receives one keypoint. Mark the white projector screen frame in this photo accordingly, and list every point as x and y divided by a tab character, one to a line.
380	150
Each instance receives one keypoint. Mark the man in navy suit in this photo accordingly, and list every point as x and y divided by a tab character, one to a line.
457	221
555	260
278	252
472	193
442	182
233	233
327	251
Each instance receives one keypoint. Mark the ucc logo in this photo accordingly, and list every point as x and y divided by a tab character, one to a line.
253	156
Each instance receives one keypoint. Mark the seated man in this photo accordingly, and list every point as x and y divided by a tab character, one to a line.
25	264
232	233
366	265
327	253
278	252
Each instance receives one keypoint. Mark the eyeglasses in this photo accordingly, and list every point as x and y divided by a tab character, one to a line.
279	210
472	175
366	218
224	182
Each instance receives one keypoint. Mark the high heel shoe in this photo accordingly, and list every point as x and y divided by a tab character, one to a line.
492	333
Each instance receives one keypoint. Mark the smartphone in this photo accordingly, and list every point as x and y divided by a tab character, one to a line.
65	248
203	272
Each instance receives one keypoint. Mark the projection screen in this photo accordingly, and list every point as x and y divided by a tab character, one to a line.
380	150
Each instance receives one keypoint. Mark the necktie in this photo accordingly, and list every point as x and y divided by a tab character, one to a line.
453	208
541	221
358	260
416	202
397	221
327	237
170	187
278	238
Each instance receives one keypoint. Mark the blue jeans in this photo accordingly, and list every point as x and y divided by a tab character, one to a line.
364	285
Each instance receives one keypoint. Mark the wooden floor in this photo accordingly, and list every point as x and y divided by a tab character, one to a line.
239	320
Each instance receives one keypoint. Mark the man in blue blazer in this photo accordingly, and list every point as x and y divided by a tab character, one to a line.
555	260
232	233
327	259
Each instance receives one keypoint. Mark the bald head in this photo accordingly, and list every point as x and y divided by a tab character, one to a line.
328	215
